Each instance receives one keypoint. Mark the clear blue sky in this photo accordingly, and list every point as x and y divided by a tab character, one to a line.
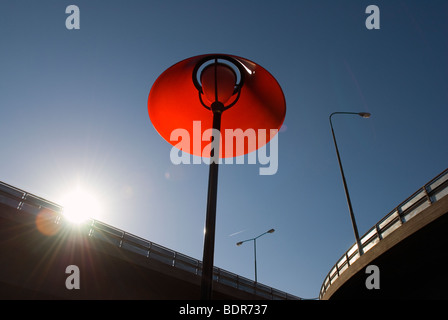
73	109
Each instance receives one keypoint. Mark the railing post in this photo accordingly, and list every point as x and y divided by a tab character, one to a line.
121	240
427	194
399	215
20	205
149	250
378	232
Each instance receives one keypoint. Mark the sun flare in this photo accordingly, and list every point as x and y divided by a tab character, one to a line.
80	205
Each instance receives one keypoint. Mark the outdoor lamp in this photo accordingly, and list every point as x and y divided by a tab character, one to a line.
255	248
177	97
218	84
349	202
221	92
364	114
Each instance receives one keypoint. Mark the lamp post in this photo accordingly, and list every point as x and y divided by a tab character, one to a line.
192	96
350	208
255	248
218	84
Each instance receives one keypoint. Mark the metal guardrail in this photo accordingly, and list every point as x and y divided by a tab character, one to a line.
24	201
424	197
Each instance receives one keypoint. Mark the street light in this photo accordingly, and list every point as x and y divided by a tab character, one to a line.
218	84
352	216
192	96
255	248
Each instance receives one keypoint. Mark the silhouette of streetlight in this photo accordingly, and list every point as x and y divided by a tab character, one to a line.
255	248
352	216
200	90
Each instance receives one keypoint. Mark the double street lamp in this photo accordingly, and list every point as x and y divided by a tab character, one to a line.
350	208
255	248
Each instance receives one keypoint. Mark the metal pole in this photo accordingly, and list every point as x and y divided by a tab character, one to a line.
352	216
210	222
255	258
255	248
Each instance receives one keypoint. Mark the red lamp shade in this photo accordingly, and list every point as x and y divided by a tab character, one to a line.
174	102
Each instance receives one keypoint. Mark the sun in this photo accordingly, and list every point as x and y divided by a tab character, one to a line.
80	204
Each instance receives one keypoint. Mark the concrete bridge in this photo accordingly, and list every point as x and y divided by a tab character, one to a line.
409	247
37	246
